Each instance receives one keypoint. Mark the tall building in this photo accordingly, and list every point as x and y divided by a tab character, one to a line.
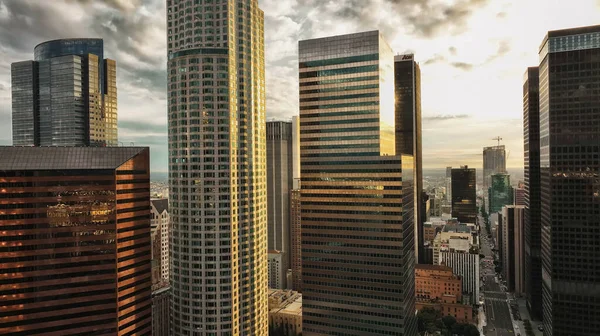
357	199
449	185
217	155
570	192
66	96
279	183
500	192
533	233
75	249
296	239
160	311
464	194
513	247
407	87
494	162
519	196
160	225
466	265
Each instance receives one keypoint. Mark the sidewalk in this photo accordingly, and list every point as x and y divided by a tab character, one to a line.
525	316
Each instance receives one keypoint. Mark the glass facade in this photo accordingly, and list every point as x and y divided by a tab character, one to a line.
73	99
464	194
569	106
494	162
357	202
500	192
217	167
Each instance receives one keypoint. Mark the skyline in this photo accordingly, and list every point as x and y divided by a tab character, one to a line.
457	123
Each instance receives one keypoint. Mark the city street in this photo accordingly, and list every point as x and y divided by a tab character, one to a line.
497	311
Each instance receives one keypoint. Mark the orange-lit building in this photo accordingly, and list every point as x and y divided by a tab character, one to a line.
75	250
437	287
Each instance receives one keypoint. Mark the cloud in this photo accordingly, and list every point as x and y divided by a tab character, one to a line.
437	58
443	117
463	66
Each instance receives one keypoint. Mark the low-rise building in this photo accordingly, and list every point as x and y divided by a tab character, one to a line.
285	312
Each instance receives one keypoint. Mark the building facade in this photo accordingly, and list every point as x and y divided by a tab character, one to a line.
500	192
160	230
464	194
569	109
296	239
160	311
66	96
407	87
465	265
494	162
357	199
280	182
285	312
276	274
449	185
531	138
217	155
513	247
76	241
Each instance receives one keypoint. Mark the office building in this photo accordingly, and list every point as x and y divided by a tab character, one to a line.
464	194
218	180
533	233
276	274
438	288
66	96
465	265
519	195
357	199
280	157
407	88
449	185
75	254
500	192
160	311
494	162
285	312
296	239
569	139
160	230
513	247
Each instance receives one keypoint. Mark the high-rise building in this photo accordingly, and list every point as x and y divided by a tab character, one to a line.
533	235
75	249
217	155
279	183
66	96
513	247
466	265
160	311
494	162
160	225
296	239
407	87
570	192
500	192
449	185
519	196
464	194
357	196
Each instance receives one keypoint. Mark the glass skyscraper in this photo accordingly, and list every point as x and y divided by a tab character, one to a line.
494	162
66	96
357	201
464	194
500	192
569	108
217	167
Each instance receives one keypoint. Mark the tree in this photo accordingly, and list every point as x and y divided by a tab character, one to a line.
470	330
448	321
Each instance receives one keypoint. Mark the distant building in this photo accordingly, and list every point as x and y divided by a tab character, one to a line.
66	96
494	162
160	312
276	273
519	196
466	265
449	185
296	240
285	312
464	195
160	231
437	287
75	241
513	247
429	232
500	192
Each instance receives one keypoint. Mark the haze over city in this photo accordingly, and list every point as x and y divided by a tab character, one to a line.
472	55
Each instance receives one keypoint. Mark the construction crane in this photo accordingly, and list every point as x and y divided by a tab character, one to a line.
498	138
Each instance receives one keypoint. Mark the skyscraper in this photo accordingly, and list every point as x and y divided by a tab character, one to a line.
280	182
407	82
464	194
75	246
531	132
494	162
357	199
449	185
570	190
217	155
66	96
160	225
513	246
500	192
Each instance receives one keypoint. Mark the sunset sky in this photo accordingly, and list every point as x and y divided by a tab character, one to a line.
472	53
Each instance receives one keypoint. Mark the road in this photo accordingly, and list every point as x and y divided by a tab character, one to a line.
498	319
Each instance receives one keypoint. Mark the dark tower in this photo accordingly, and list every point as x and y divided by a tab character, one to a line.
464	194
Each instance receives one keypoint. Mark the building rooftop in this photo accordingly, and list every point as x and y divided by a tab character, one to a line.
161	204
459	228
60	158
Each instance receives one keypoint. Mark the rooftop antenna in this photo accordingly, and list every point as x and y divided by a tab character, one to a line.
498	138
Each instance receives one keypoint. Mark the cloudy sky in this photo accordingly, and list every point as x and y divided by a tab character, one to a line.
473	54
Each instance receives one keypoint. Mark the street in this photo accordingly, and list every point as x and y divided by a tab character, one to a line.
497	311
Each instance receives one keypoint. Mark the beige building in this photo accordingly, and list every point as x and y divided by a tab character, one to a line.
285	312
160	236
